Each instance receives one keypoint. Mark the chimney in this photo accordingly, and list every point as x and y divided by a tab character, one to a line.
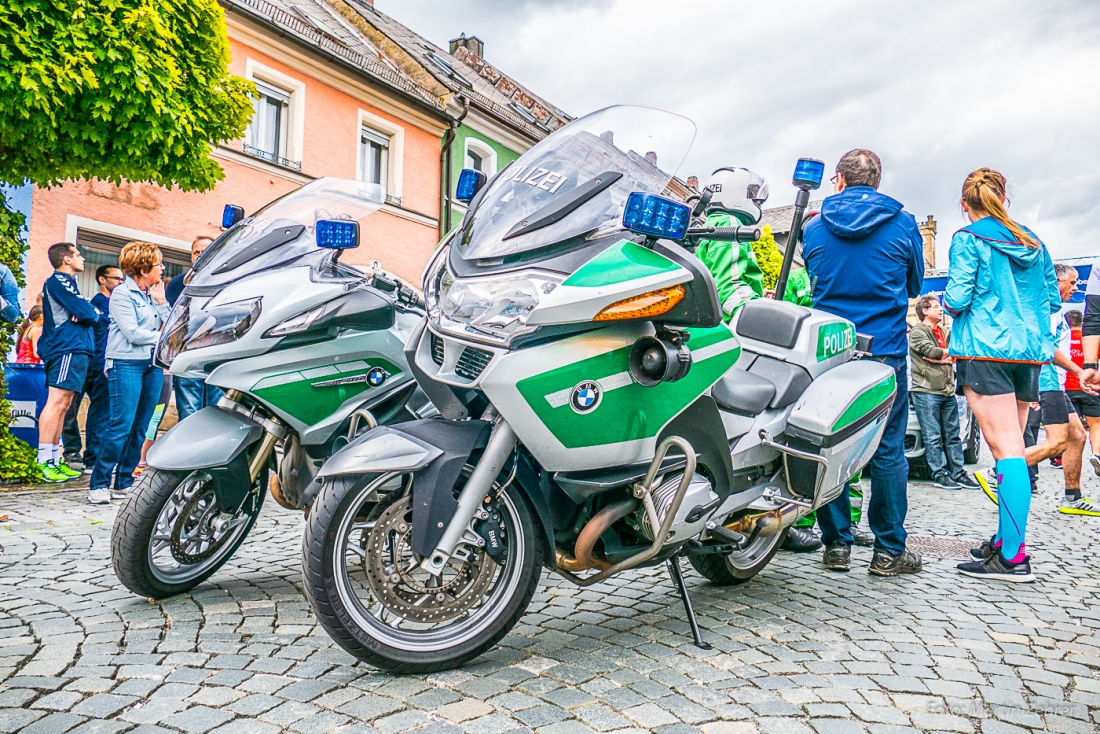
693	183
651	158
368	2
473	44
928	234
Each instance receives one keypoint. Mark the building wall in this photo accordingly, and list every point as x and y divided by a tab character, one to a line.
334	104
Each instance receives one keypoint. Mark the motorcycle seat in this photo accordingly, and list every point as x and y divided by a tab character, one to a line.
740	391
777	323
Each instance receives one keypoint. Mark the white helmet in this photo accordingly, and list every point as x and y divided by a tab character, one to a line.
737	191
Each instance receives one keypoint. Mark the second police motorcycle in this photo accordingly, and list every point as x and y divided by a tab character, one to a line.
309	352
600	416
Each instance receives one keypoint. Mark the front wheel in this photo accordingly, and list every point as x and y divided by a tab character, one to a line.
368	591
170	534
739	566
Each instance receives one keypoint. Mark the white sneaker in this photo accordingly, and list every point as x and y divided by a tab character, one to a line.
99	496
120	494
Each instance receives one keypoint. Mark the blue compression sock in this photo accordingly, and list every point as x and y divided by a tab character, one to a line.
1014	492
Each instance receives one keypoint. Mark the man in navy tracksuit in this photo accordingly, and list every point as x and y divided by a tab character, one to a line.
865	258
66	346
95	386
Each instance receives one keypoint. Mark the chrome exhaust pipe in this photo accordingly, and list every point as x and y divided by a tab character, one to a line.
643	492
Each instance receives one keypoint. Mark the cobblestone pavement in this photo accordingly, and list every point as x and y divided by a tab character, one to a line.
797	649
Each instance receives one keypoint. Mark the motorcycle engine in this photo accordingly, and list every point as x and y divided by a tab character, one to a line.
699	501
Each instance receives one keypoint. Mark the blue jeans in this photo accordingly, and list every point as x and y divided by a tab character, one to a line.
889	472
99	414
939	429
193	394
135	388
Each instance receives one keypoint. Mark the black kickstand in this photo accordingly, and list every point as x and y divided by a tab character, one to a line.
678	579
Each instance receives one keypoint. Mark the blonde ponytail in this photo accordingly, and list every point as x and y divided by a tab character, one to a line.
982	193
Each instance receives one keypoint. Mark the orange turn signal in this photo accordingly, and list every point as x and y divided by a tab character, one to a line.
644	306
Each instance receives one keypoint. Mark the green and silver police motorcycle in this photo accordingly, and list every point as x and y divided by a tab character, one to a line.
601	417
309	352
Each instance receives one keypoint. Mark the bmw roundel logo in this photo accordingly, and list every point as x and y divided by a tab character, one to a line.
377	376
586	397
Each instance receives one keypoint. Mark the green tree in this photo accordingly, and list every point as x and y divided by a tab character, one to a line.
768	257
112	89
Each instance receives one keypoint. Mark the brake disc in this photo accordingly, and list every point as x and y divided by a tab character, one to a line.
403	588
193	527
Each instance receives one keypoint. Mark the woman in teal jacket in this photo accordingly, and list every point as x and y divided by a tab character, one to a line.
1001	290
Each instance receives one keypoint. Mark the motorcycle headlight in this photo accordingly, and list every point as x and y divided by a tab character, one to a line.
494	307
222	324
298	323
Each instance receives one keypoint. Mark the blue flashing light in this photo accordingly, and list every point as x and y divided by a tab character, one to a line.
470	182
656	216
337	234
808	173
231	215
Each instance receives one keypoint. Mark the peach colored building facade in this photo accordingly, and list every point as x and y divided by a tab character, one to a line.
326	110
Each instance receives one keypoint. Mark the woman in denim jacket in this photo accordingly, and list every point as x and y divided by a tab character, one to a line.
138	311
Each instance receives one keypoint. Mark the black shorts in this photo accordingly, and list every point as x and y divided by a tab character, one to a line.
988	377
1055	407
1087	406
67	371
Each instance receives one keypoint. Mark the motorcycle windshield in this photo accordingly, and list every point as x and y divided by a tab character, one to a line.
559	189
283	231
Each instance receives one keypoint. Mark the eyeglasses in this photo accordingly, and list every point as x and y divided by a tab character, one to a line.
113	277
833	180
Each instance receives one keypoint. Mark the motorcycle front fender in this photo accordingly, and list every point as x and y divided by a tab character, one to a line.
211	437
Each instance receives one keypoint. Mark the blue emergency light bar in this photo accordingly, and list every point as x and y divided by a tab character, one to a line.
337	234
656	216
470	182
808	173
231	215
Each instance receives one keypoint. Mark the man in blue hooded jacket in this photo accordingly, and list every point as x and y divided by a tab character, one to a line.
865	258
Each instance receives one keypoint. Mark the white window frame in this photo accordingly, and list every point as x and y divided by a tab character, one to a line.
296	109
485	152
395	160
382	140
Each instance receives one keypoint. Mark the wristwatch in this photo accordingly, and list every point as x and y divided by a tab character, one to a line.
1089	366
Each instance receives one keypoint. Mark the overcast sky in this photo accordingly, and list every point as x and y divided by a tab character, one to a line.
935	87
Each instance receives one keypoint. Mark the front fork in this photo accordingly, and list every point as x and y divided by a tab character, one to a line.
274	431
501	442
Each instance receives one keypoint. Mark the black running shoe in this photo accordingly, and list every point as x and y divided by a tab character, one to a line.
943	480
997	568
884	564
838	556
966	481
983	551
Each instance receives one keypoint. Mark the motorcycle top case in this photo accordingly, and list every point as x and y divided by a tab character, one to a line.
814	340
840	418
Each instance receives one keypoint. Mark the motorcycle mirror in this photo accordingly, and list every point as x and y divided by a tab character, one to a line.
231	215
656	216
470	182
703	202
337	234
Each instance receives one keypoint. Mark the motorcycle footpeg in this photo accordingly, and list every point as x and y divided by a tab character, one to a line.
731	536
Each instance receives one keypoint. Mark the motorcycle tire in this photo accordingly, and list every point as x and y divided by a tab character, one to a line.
732	569
350	624
133	545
